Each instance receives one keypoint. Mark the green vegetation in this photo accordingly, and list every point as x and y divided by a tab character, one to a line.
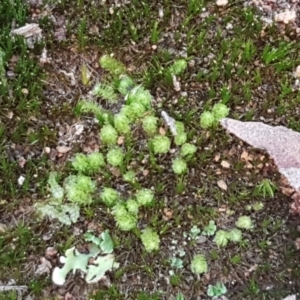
118	138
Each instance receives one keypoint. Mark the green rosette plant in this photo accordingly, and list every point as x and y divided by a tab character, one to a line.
199	264
220	111
150	239
109	196
115	156
79	189
122	123
108	135
207	120
188	150
161	144
179	166
149	124
144	197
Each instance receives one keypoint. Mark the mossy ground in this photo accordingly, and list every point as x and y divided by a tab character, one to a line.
231	59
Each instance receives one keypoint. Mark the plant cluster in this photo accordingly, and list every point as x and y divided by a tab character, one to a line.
210	119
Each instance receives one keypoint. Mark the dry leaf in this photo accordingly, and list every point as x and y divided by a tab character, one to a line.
168	213
222	2
217	157
222	185
21	162
145	172
44	267
162	131
225	164
244	155
120	140
63	149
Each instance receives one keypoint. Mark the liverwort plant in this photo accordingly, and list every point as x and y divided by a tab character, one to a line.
74	260
180	138
130	176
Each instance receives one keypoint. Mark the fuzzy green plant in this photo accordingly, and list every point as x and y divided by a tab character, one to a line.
90	163
144	197
199	264
115	156
244	222
106	92
179	166
112	65
180	138
108	135
125	220
178	67
221	238
235	235
150	239
122	123
129	176
95	161
139	95
89	106
207	120
161	144
132	206
257	206
79	189
133	111
125	84
220	111
109	196
179	127
149	124
188	150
